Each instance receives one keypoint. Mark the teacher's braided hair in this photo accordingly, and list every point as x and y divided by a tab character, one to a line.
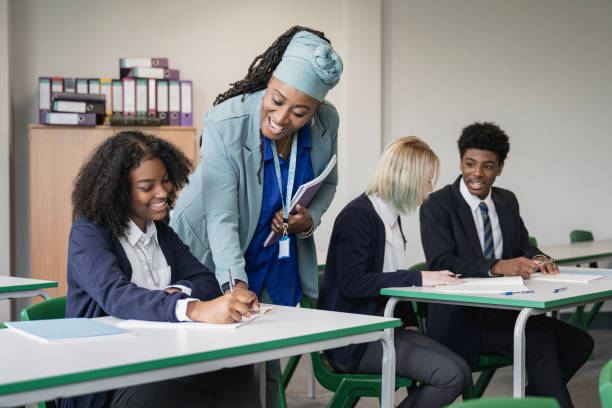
260	71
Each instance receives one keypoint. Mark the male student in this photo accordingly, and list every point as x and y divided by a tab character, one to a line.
476	230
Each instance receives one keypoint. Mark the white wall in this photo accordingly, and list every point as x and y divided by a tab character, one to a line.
541	69
213	44
5	148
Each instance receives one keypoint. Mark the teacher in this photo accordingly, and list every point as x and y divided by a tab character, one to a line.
268	134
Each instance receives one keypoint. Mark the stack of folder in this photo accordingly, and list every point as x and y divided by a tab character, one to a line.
147	93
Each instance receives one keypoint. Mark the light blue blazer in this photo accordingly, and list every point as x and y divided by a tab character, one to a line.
217	212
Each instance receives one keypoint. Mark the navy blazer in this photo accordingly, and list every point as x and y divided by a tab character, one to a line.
99	274
450	241
354	271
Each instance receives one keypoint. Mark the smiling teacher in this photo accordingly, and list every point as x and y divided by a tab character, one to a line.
268	134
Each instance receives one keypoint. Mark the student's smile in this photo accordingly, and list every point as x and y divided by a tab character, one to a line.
149	191
479	169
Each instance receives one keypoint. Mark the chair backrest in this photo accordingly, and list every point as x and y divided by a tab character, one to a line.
533	241
509	402
420	308
580	236
605	385
47	309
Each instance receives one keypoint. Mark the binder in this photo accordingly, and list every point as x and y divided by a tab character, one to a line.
154	73
186	103
162	102
152	100
117	86
82	86
79	103
64	118
174	103
70	85
129	97
143	62
57	84
94	86
106	90
141	97
44	98
134	121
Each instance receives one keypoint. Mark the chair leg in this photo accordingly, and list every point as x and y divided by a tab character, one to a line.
282	399
477	390
289	370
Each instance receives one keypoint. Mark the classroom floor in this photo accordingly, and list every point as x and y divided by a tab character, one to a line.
583	387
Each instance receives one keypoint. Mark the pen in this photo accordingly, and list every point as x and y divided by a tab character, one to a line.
549	260
231	280
519	291
560	289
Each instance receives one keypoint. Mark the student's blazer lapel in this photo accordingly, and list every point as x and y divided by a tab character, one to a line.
506	223
464	213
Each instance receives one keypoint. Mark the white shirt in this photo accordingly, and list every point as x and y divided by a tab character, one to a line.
474	203
395	257
150	269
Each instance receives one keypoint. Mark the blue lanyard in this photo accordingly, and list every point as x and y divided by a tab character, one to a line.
290	178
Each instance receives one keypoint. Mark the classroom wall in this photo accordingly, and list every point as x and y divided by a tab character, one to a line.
213	44
5	147
540	69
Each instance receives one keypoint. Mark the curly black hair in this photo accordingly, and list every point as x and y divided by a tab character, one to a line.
102	188
259	74
484	136
263	66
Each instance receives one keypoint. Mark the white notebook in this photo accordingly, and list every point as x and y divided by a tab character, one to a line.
565	277
147	324
486	285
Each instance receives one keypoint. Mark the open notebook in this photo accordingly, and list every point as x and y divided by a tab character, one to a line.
70	329
486	285
147	324
567	276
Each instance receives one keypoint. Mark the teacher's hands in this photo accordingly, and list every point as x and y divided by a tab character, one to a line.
299	222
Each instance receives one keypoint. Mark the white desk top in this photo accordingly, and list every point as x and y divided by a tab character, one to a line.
31	365
13	284
579	252
542	298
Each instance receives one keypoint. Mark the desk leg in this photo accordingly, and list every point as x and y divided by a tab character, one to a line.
387	392
389	309
519	352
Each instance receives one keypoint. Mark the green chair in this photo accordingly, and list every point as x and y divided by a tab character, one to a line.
486	364
580	318
533	241
509	402
605	385
54	308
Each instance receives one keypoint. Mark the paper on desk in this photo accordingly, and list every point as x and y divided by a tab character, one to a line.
56	330
565	277
486	285
148	324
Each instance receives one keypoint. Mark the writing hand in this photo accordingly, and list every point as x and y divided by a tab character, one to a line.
520	266
545	266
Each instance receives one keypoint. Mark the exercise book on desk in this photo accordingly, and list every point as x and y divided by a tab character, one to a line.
565	277
70	329
303	196
486	285
148	324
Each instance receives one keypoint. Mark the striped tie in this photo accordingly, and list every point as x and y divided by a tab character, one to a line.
487	251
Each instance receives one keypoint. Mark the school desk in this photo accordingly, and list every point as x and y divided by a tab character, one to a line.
12	287
579	252
36	371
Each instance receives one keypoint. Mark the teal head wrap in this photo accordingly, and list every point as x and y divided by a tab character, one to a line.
310	65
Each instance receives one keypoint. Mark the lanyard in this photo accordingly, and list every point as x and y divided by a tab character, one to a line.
290	178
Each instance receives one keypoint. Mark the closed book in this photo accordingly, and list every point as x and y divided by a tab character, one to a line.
94	86
70	85
79	107
174	103
129	97
106	89
134	121
82	86
153	73
186	103
117	85
59	330
152	98
141	97
162	102
67	118
57	84
143	62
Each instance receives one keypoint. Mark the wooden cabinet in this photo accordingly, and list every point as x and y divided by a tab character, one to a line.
56	155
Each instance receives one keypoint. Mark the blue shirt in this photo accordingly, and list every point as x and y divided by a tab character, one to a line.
279	276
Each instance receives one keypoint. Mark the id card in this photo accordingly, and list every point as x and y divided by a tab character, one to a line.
283	247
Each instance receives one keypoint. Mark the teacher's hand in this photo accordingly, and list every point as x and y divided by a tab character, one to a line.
299	222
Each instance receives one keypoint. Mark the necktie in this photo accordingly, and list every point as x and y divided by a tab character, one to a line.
487	250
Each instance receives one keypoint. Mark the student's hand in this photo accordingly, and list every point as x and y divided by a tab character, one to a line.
520	266
434	278
224	309
550	268
173	290
299	222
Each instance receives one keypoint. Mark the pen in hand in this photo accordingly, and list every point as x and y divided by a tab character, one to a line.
231	280
549	260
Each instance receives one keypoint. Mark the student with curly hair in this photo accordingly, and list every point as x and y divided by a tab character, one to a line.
475	229
268	132
124	261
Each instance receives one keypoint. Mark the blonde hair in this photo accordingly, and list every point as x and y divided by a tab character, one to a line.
404	172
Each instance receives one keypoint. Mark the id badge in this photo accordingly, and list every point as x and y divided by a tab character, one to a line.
283	247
